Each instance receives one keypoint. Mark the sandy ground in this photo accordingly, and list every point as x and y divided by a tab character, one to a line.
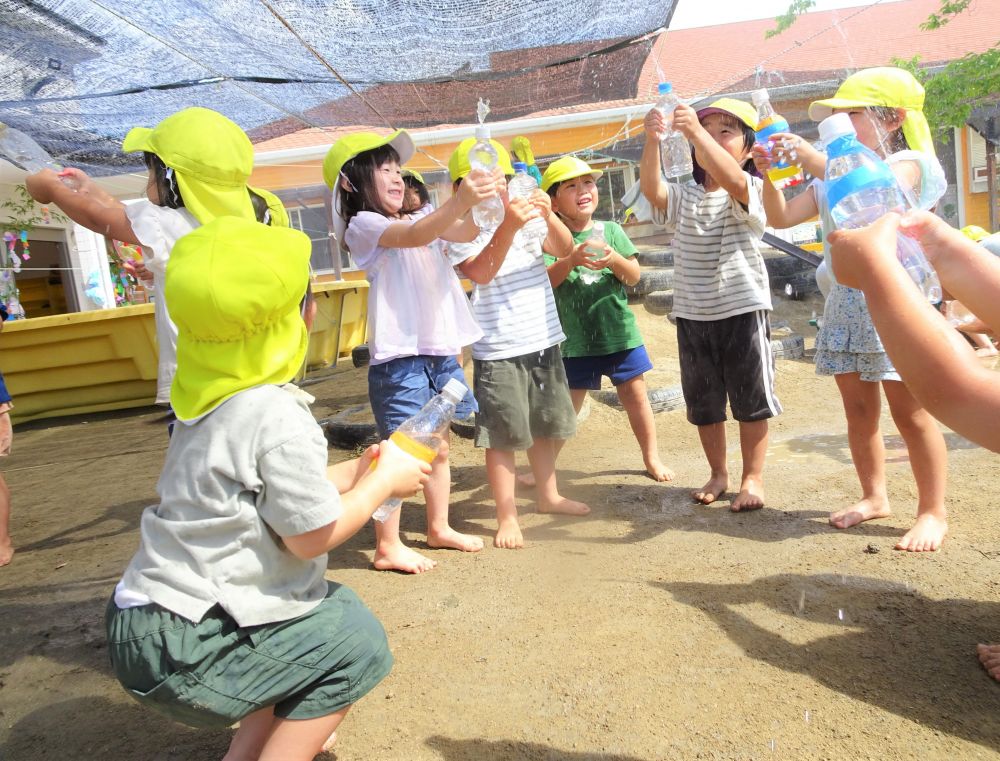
653	629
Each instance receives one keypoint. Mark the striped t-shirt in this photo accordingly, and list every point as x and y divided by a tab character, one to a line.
718	269
516	309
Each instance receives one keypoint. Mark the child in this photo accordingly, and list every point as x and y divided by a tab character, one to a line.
198	162
721	294
418	316
520	382
885	107
602	337
943	375
416	196
6	440
223	613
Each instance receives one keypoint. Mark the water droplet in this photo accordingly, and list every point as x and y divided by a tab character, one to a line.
840	614
807	717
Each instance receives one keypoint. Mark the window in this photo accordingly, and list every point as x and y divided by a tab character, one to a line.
312	221
611	187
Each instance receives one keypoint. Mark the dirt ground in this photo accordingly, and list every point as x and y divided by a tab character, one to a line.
652	629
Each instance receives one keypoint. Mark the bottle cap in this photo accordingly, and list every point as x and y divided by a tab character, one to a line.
759	96
455	390
483	132
520	166
664	87
835	126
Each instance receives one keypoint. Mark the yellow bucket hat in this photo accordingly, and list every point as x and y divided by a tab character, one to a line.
885	86
211	158
415	175
567	168
974	232
742	110
346	149
233	288
458	163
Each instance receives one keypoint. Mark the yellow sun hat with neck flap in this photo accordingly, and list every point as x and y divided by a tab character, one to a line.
567	168
233	289
888	87
209	154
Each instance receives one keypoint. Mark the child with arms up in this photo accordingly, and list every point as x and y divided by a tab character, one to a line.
418	316
721	293
885	107
602	338
520	382
224	614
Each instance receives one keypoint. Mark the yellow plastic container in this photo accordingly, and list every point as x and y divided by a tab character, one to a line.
341	321
67	364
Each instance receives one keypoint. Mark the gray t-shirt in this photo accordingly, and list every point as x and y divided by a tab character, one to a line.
233	483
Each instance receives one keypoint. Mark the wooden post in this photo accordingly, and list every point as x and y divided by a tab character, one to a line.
991	183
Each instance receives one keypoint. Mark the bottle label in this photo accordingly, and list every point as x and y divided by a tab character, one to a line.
857	180
771	126
413	448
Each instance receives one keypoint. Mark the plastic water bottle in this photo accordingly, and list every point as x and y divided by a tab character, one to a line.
522	185
23	152
782	174
421	435
861	187
486	214
675	151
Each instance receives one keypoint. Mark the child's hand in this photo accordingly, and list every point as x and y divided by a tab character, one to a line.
603	260
857	252
40	185
478	185
654	124
519	212
138	269
686	121
579	256
405	473
541	201
761	158
935	235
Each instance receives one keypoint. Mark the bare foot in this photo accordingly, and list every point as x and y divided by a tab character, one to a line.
711	491
452	540
986	351
527	480
6	553
989	656
563	506
509	535
751	496
658	471
926	535
399	557
865	510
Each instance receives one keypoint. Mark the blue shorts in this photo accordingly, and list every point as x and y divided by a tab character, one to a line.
397	389
586	372
4	393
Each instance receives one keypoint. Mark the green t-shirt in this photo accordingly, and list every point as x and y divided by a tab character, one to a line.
595	315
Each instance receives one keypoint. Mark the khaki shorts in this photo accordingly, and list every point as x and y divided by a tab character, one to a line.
522	399
213	673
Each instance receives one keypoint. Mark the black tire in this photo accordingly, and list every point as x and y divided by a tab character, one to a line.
789	347
344	431
659	302
797	287
656	258
782	266
660	399
464	429
652	280
360	355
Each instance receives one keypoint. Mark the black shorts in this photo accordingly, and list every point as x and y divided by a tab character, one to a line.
729	358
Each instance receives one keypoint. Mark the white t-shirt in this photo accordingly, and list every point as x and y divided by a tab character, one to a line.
516	309
158	228
416	304
718	268
249	472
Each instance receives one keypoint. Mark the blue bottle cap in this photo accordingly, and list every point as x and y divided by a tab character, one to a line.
664	88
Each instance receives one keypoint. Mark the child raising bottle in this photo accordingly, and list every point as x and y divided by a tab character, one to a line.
721	293
198	162
886	108
224	613
419	318
602	338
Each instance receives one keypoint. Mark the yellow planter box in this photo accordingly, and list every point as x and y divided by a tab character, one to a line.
70	364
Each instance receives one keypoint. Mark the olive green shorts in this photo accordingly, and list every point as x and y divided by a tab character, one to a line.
213	673
522	399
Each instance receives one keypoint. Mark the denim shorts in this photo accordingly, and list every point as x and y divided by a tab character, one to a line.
4	393
397	389
622	366
213	673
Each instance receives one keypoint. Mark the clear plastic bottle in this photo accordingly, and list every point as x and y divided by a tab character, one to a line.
486	214
23	152
522	185
861	187
782	174
675	151
421	435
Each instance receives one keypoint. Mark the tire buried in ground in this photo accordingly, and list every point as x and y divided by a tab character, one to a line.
659	302
660	399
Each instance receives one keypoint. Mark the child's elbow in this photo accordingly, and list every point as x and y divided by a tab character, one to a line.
305	546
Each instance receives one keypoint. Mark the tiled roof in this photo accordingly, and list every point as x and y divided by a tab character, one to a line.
818	47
